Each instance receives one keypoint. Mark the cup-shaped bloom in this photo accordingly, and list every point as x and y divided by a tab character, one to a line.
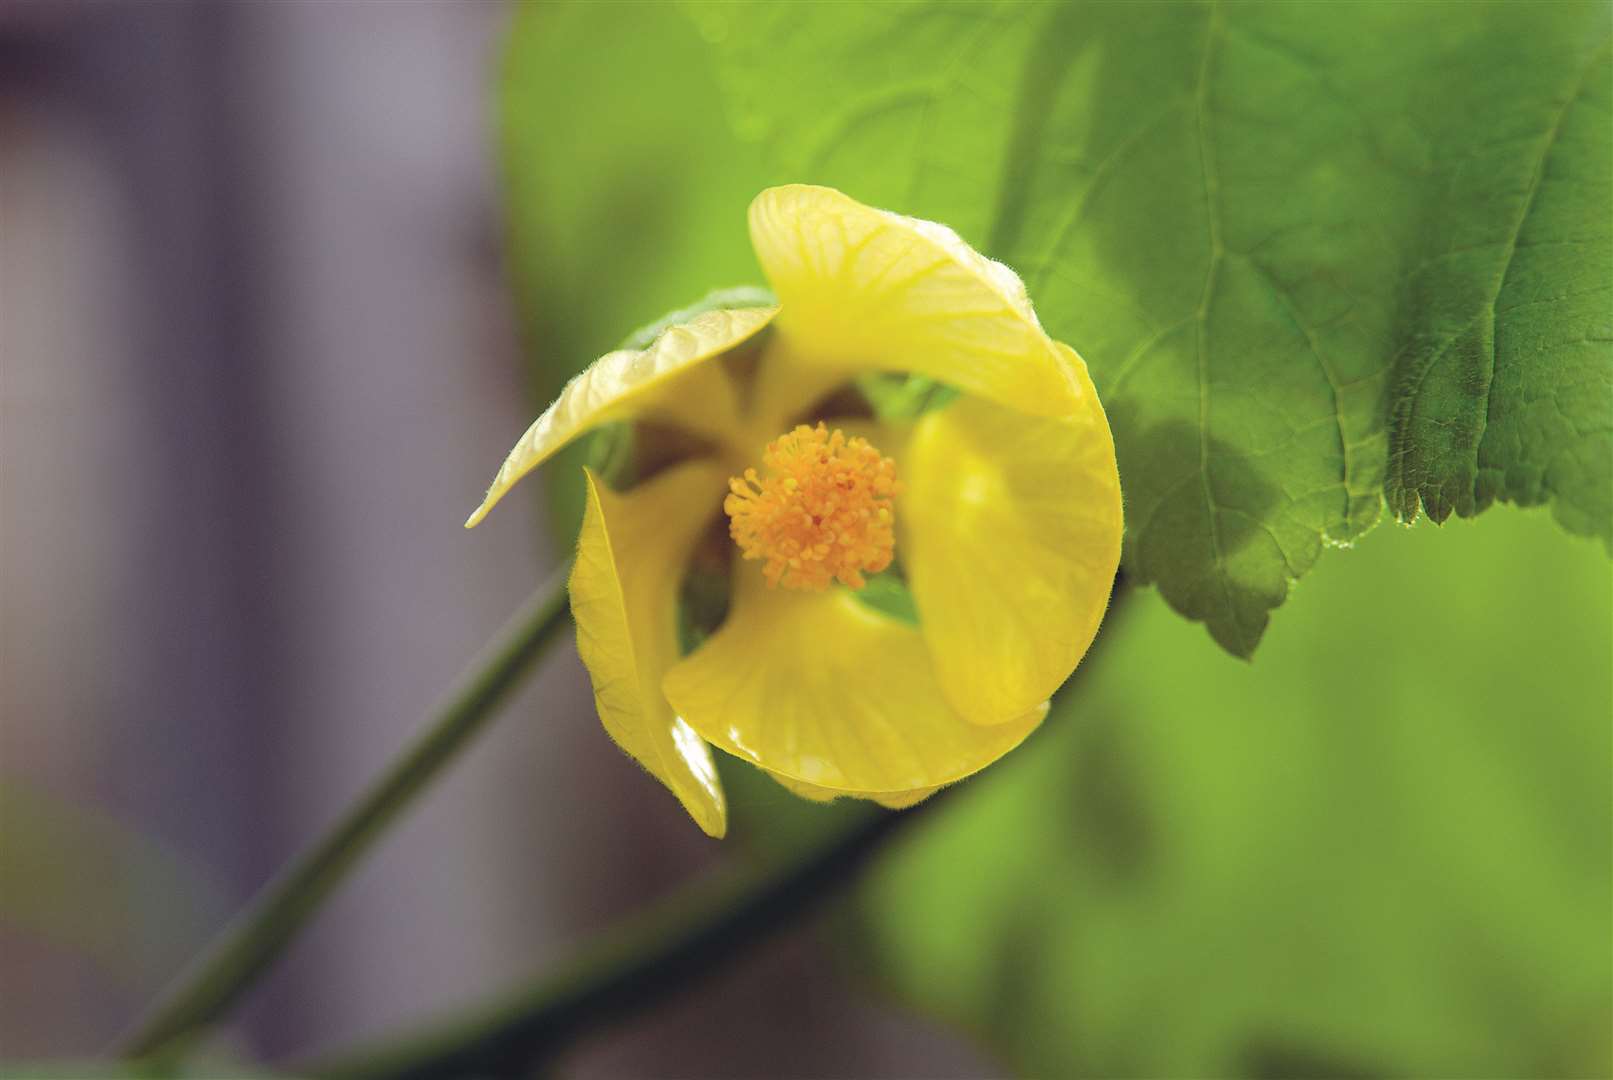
1001	508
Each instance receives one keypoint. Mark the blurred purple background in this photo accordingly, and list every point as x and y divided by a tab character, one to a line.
257	362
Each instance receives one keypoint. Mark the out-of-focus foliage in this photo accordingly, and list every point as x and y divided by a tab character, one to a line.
217	1066
71	876
1380	850
1312	254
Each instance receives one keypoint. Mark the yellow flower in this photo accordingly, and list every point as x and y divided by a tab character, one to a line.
1002	509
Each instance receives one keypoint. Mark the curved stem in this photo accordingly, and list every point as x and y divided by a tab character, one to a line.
632	967
624	971
250	944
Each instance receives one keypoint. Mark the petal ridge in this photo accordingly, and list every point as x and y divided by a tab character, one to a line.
870	288
629	382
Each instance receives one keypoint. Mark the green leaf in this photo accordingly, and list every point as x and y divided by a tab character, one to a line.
1312	253
1503	387
1383	851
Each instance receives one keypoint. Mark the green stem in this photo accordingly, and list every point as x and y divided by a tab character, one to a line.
250	944
626	970
631	967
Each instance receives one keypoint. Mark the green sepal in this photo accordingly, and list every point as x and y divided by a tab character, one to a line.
740	296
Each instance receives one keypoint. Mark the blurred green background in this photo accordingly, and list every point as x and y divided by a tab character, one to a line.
1382	849
292	278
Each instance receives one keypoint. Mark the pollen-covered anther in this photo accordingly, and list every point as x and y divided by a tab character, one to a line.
823	512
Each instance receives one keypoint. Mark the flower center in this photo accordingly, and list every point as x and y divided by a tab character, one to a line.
822	513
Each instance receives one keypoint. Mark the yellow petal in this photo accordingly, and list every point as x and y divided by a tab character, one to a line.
891	800
823	691
863	288
669	379
786	386
630	557
1009	530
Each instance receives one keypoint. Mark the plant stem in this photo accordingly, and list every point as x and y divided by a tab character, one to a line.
631	967
254	940
626	970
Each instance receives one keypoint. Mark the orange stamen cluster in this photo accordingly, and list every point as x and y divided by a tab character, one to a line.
823	513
